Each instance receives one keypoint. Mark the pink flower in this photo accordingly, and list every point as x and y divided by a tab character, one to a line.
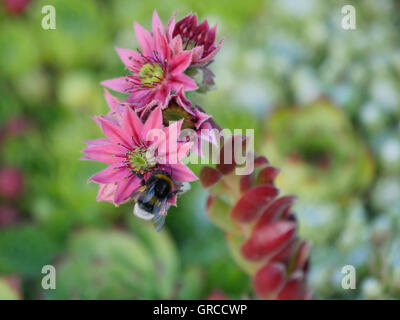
178	108
132	149
155	71
197	37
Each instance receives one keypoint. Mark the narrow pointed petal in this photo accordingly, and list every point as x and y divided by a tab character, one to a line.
98	142
184	149
211	55
181	62
167	144
144	38
110	175
117	84
128	56
113	132
111	101
125	189
181	172
183	80
157	24
154	121
133	126
106	192
107	154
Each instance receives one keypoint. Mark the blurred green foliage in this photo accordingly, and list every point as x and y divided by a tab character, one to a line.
277	55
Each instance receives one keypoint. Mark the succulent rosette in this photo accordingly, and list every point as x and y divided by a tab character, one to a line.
321	156
132	149
156	70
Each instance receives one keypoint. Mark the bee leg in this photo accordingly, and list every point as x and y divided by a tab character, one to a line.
170	195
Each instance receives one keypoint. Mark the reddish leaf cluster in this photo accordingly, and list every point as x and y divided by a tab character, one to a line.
260	227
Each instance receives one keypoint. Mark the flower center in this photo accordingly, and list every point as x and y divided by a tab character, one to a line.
176	113
151	74
142	158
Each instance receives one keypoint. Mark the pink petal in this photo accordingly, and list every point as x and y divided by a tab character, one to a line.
170	27
110	175
106	192
211	55
144	38
163	94
167	146
157	24
111	100
197	52
162	45
126	188
180	62
176	45
181	172
107	153
154	121
117	84
114	133
141	97
183	80
97	142
132	125
128	56
183	150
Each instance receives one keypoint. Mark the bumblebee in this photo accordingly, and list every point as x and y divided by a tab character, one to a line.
152	197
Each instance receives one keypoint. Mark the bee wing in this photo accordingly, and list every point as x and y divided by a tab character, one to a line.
147	192
160	213
159	221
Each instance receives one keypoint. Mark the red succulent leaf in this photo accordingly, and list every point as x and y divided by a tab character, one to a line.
295	288
252	203
260	161
210	200
284	254
269	279
274	210
302	255
209	176
267	175
227	165
246	182
268	239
